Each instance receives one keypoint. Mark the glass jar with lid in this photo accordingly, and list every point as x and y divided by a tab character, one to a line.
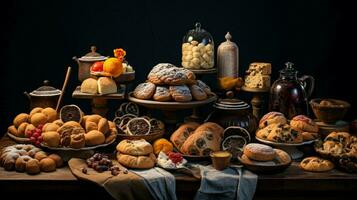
198	49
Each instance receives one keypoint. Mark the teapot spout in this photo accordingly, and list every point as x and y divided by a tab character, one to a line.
27	95
75	59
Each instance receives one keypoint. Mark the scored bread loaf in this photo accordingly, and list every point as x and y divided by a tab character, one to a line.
182	133
139	162
205	139
135	147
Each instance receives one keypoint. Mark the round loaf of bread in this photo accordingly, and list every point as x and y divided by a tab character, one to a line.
316	164
89	86
259	152
135	147
50	113
33	166
139	162
38	118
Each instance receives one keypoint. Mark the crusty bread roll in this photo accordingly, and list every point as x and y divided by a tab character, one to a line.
182	133
50	127
50	113
90	126
51	138
21	129
106	86
93	118
103	126
259	152
47	165
20	118
135	147
94	137
139	162
90	86
77	141
206	139
38	118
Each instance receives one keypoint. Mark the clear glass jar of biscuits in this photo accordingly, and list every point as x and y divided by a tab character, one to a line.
198	49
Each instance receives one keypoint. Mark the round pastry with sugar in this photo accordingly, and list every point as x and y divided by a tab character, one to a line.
144	90
198	93
162	94
272	118
135	147
259	152
180	93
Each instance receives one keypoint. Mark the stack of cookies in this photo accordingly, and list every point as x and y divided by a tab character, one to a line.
167	82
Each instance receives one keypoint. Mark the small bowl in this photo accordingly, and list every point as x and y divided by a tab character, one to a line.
332	112
221	159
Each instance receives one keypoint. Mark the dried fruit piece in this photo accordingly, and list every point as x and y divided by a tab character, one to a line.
138	126
71	113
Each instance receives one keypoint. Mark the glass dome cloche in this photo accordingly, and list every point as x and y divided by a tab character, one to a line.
198	49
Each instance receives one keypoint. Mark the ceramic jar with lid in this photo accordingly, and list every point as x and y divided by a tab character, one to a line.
198	49
86	61
227	64
44	96
233	112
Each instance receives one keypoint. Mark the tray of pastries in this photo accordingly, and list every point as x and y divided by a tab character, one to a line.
172	87
341	148
275	129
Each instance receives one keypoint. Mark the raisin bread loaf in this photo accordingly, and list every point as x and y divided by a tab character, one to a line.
206	139
182	133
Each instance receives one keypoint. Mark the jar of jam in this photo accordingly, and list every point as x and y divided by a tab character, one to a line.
289	94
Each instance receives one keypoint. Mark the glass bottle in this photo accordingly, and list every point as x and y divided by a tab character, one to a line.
289	94
227	63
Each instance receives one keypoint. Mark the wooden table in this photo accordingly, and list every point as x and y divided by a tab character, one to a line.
293	183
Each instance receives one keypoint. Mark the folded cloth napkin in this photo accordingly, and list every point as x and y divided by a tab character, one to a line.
120	187
230	183
160	183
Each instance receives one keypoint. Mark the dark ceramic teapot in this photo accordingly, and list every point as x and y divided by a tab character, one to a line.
44	96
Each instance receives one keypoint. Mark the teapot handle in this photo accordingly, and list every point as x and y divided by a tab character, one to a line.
308	82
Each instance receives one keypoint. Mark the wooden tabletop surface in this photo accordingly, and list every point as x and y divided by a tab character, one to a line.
292	179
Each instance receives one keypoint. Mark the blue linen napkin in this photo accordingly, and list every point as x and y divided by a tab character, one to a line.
160	183
230	183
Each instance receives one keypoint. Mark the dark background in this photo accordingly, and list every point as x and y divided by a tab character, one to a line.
41	37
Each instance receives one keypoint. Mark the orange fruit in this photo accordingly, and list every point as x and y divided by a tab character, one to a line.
162	145
113	66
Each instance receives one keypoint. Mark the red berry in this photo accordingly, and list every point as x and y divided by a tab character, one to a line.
40	138
38	130
28	134
37	143
40	126
36	135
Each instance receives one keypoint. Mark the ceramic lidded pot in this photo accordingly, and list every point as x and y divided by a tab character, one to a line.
44	96
86	61
233	112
